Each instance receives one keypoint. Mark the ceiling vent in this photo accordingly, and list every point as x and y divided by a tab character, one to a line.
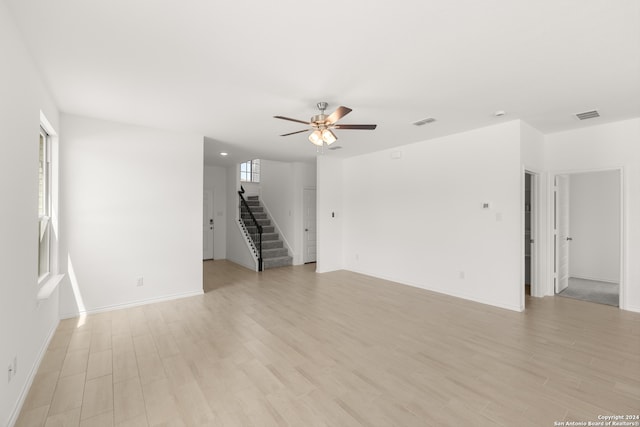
424	121
335	147
588	115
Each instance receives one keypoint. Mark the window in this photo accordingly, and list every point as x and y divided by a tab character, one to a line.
44	205
250	171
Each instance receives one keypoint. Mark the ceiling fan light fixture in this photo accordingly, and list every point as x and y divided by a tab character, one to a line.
316	138
328	136
322	125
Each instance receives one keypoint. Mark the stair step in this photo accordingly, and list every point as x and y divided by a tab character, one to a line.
277	262
272	244
264	222
254	209
274	253
269	236
256	215
265	229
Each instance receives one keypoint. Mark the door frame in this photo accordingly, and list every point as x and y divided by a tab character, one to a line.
536	249
622	241
560	217
304	233
211	192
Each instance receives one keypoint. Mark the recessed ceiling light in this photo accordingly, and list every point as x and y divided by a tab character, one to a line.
499	113
224	153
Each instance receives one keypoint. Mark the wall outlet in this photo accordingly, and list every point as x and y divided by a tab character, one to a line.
140	281
15	365
461	275
9	373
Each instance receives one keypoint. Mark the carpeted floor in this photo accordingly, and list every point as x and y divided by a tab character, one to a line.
593	291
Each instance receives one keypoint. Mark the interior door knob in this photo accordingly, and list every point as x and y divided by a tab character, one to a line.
569	239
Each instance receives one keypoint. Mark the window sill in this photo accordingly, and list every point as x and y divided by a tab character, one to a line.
49	285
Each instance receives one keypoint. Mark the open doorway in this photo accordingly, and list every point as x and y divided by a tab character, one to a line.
587	236
528	229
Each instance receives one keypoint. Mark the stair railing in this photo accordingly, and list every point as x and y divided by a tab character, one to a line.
256	236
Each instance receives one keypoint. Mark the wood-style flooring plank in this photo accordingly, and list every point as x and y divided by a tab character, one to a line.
289	347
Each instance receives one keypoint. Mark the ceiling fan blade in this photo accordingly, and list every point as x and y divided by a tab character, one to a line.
291	120
293	133
361	127
338	114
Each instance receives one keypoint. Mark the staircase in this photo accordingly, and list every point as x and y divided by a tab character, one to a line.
274	254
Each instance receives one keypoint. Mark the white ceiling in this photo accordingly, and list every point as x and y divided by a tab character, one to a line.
223	69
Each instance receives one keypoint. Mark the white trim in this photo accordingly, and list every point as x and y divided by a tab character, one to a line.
537	251
49	286
596	279
632	308
32	374
460	295
132	304
46	124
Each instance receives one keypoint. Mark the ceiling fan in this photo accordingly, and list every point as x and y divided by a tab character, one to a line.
322	125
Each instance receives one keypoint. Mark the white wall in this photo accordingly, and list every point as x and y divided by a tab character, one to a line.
330	214
215	180
250	188
277	192
419	219
131	207
594	218
25	326
237	249
608	146
281	191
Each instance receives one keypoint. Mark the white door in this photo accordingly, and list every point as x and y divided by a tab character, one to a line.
207	225
562	232
309	220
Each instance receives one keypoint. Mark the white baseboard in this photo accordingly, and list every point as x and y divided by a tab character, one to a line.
632	308
597	279
443	292
32	374
131	304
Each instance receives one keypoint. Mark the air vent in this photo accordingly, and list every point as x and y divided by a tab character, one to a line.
335	147
424	121
588	115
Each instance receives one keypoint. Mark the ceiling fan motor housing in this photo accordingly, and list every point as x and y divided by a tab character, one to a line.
318	120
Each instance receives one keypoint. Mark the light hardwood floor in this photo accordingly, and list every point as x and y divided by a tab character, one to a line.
288	347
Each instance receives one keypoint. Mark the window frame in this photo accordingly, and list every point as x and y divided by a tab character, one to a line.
44	205
251	171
